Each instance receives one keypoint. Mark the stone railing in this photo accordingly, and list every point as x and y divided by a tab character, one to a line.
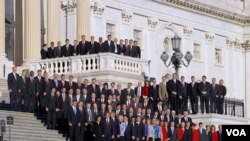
93	63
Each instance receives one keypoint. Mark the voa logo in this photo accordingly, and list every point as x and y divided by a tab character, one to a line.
236	132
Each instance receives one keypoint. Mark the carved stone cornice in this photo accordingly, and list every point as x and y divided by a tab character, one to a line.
209	37
209	10
152	22
187	31
229	42
97	8
234	43
246	45
126	16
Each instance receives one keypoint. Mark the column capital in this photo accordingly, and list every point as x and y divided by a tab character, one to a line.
152	22
126	16
97	8
209	36
246	46
187	31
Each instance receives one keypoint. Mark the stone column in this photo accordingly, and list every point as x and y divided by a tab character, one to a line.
54	21
247	82
83	16
2	31
32	31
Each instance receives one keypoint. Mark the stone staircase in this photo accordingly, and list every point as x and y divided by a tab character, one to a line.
27	126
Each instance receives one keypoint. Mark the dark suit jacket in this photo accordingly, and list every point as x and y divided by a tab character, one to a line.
188	135
214	91
128	50
91	89
182	90
13	82
72	117
31	87
44	54
81	116
47	86
128	131
22	84
171	86
65	105
67	52
222	90
133	51
173	136
138	52
98	129
39	85
93	48
139	130
188	119
111	47
154	92
125	93
52	102
202	136
51	52
193	91
82	48
204	87
87	115
102	48
108	128
58	52
136	89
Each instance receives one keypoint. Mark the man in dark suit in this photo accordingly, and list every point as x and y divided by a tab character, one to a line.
71	83
126	48
121	46
128	130
51	50
183	95
138	90
204	90
52	108
58	50
129	91
101	47
117	49
67	49
202	132
65	84
214	97
65	103
172	132
56	83
75	48
172	88
13	88
193	94
108	125
139	129
93	88
154	92
22	92
83	46
185	117
40	93
31	92
43	52
47	83
93	46
73	121
222	94
188	134
89	116
138	50
109	45
98	129
134	51
81	121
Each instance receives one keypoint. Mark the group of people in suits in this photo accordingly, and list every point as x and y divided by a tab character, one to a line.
124	47
105	112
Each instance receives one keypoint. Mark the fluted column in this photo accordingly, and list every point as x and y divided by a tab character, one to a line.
83	11
54	20
2	27
32	30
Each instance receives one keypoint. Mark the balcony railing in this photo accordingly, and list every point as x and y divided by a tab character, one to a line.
93	63
231	106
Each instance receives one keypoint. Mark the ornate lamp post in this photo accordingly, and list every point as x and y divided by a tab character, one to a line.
176	58
68	6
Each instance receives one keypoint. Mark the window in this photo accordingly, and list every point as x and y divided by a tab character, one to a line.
138	37
197	51
110	29
218	56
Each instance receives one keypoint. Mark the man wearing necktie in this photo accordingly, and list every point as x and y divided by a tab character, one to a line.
13	88
214	97
51	109
73	121
204	90
23	96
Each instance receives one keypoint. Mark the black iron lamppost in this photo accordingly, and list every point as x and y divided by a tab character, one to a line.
176	58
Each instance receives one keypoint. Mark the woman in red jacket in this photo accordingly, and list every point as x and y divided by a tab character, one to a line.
214	134
195	133
164	134
181	130
145	90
